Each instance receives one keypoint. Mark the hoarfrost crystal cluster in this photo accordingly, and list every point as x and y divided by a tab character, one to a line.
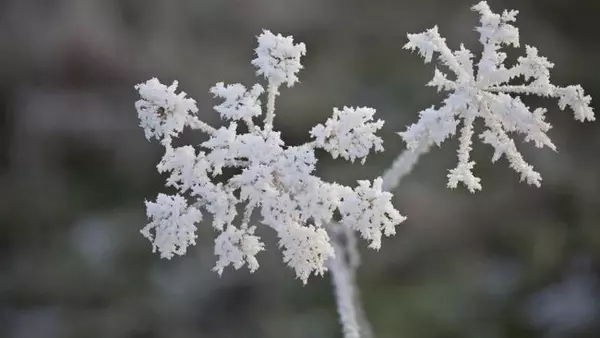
274	180
278	58
349	133
484	90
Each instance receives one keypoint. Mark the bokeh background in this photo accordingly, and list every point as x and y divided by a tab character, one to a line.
75	168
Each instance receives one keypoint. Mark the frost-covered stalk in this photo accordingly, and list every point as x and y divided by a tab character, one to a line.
342	269
402	166
276	180
486	91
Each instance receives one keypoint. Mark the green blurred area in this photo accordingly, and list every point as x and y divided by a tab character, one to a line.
75	168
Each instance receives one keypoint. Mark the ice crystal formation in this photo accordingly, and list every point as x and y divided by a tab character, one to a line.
488	90
275	180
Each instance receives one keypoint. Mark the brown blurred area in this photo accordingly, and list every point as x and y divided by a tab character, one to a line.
511	261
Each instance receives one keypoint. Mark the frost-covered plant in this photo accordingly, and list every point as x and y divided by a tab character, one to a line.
488	90
277	180
274	179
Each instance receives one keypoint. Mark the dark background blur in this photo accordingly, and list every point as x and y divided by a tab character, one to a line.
75	168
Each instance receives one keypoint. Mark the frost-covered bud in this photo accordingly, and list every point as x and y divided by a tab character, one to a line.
220	202
369	211
575	98
495	28
238	103
349	133
536	67
305	249
278	58
237	247
425	43
186	168
296	163
173	222
161	111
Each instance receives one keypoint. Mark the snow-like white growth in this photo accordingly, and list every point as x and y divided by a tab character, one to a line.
305	249
238	104
272	179
369	211
485	90
276	181
173	224
349	133
278	58
161	111
237	247
185	167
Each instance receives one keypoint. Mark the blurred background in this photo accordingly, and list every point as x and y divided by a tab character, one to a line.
75	168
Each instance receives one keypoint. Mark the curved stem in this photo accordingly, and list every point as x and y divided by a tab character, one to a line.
402	166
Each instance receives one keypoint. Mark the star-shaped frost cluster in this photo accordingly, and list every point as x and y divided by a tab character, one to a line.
485	90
